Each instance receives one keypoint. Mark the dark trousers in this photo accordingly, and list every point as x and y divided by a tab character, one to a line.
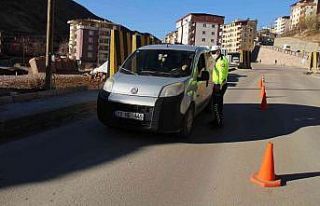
218	104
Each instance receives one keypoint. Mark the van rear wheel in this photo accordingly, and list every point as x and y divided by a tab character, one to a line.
187	124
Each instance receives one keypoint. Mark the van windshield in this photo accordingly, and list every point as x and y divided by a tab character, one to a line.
170	63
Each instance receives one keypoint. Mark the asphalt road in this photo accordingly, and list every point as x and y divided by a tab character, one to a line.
84	163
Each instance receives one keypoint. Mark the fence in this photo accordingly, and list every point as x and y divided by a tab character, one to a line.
123	43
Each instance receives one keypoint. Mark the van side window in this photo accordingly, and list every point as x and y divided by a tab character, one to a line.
201	64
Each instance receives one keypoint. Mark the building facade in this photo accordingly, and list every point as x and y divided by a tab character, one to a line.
89	40
239	35
199	29
22	44
282	25
171	38
302	9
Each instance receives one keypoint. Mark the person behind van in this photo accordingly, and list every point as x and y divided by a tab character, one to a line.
185	65
219	79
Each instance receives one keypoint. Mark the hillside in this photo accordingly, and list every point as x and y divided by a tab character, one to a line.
309	36
30	16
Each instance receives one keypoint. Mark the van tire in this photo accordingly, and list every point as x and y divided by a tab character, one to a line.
187	123
101	117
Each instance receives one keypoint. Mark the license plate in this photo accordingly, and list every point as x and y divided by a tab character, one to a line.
129	115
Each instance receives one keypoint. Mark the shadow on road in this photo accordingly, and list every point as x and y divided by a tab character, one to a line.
234	78
87	144
299	176
245	122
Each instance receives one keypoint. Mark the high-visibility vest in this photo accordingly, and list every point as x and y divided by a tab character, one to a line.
220	71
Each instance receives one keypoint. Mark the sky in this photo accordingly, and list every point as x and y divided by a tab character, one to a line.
159	17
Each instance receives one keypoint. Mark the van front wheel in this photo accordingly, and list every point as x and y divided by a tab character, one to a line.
187	124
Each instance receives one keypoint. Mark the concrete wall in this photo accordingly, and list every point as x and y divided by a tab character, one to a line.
296	44
60	66
268	55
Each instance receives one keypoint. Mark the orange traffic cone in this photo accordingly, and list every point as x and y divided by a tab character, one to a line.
261	82
264	103
263	91
266	176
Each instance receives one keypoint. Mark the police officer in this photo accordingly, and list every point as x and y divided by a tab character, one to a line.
219	79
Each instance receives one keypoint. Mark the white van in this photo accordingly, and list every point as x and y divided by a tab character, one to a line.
158	88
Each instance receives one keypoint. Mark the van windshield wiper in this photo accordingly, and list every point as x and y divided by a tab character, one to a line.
127	70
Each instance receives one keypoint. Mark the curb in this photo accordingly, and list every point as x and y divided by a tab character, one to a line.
15	128
39	95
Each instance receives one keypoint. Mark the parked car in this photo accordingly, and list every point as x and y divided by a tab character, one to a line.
286	47
236	60
160	88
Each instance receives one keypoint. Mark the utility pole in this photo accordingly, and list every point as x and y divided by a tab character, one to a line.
49	44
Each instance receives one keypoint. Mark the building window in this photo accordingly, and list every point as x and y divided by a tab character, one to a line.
90	40
213	26
204	25
90	47
91	33
203	39
90	55
203	32
213	33
212	40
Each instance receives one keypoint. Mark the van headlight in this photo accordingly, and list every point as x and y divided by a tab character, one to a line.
108	85
172	90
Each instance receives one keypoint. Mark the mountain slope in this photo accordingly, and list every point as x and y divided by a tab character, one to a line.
30	16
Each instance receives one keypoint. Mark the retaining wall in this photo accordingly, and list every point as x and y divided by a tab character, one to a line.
272	55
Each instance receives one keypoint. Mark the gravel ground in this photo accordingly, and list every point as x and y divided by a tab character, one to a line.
26	83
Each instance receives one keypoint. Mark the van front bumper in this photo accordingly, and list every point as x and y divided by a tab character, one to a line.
160	114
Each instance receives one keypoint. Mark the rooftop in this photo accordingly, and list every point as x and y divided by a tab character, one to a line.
90	20
285	17
201	14
243	21
301	2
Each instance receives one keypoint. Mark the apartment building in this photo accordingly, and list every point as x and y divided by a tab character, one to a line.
171	38
199	29
89	40
239	35
302	9
22	44
282	24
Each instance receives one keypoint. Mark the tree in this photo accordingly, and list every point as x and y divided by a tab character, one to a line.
312	23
